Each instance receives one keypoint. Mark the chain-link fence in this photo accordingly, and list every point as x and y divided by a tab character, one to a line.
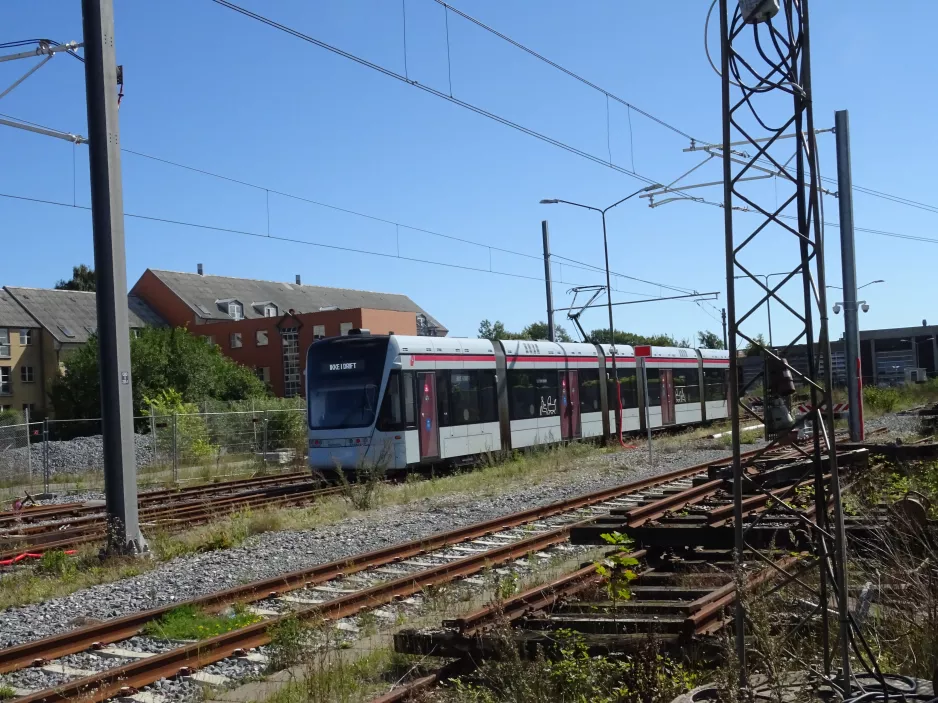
66	456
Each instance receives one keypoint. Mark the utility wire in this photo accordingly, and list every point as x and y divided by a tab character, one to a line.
292	240
567	71
572	262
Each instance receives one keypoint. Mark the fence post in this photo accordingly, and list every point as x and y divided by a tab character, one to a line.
175	454
29	454
45	455
153	442
266	420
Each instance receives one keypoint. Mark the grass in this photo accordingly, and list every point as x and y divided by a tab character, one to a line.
190	623
6	692
58	576
877	401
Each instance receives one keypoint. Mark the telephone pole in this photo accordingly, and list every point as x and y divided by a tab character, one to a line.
107	216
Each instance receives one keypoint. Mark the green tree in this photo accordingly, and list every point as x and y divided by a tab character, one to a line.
709	340
753	349
535	331
656	340
160	359
82	279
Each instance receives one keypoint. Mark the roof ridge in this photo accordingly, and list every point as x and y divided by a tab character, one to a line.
50	290
264	280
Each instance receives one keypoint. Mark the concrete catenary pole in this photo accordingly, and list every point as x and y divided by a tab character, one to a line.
547	281
107	217
849	264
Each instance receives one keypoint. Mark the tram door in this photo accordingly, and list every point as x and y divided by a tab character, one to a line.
569	405
429	427
667	397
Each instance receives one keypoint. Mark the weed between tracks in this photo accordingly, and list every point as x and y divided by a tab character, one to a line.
190	623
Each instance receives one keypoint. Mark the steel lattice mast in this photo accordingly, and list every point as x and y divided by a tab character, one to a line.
766	90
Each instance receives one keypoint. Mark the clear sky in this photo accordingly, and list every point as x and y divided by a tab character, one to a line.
207	87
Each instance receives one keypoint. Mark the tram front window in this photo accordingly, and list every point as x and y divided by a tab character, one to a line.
343	377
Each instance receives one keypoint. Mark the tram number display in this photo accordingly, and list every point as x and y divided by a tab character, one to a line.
341	367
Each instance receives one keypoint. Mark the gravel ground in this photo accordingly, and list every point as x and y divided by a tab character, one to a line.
69	456
274	553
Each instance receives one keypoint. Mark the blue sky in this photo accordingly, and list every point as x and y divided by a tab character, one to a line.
212	89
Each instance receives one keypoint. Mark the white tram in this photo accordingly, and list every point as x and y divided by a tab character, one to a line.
401	401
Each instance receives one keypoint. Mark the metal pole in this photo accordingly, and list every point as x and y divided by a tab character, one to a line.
651	458
612	330
732	399
849	263
153	435
723	316
45	456
547	281
266	419
29	454
107	215
768	311
175	452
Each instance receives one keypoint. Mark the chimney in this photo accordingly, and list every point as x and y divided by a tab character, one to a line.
199	268
298	282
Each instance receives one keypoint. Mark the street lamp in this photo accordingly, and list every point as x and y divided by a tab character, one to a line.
612	331
768	300
878	280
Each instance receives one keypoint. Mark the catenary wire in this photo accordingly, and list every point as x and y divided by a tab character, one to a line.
573	262
292	240
567	71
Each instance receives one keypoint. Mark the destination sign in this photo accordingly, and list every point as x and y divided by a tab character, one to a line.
343	366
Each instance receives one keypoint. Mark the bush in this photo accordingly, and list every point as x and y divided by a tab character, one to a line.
882	400
192	438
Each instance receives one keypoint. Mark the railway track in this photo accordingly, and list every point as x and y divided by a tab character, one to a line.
684	581
88	526
333	591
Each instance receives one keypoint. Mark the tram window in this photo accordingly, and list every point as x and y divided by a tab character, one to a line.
628	385
442	399
409	398
686	385
532	393
715	381
391	416
488	396
654	386
590	401
464	397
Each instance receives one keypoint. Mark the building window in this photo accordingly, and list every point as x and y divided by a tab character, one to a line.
290	338
262	373
26	338
260	338
4	343
270	311
235	311
5	408
26	374
344	328
319	331
235	340
5	388
209	339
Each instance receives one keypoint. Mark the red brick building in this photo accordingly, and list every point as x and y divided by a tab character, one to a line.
268	326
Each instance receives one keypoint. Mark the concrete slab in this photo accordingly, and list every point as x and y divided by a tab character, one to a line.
211	679
123	653
59	668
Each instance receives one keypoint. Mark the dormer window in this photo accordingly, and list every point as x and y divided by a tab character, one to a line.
235	310
270	310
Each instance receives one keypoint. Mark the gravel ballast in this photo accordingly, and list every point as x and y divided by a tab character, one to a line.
269	554
72	456
274	553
